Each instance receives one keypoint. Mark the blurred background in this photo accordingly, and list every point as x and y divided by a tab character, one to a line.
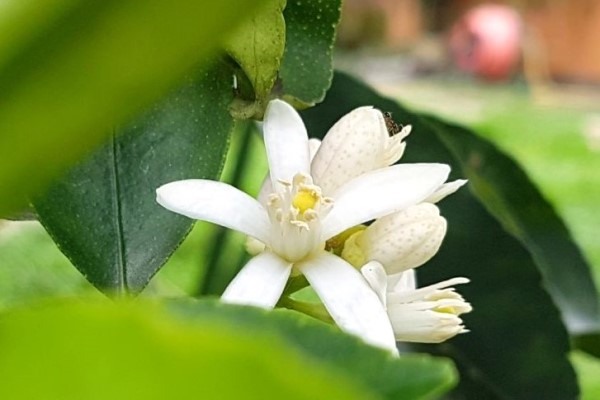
523	73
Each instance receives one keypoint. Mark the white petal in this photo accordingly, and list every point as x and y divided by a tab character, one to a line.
267	187
382	192
265	190
375	275
423	326
314	145
260	283
218	203
398	295
354	145
445	190
286	142
403	282
405	239
349	299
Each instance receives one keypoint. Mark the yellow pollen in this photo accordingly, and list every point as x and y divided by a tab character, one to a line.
305	200
446	310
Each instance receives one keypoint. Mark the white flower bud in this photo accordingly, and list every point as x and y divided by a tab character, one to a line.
429	314
403	240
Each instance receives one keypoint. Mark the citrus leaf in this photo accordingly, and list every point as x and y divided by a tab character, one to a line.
102	350
517	345
409	377
70	70
257	47
103	214
306	69
508	193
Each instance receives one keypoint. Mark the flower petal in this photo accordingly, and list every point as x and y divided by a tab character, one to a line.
382	192
354	145
349	299
218	203
260	283
402	282
267	187
445	190
286	142
375	275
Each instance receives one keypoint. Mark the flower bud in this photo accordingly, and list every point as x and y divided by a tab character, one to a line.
403	240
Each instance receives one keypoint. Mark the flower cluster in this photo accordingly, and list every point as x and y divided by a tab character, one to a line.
318	193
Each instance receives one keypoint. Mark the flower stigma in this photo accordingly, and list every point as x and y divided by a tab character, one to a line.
296	211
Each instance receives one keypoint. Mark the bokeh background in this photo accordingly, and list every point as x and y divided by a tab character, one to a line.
524	74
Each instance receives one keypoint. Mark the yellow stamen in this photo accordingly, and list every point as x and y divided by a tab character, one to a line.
446	310
305	200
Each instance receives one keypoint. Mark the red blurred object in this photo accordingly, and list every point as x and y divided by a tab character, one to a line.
486	41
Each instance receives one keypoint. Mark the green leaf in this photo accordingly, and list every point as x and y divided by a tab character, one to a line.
102	350
33	269
408	377
518	346
103	214
508	194
257	47
69	70
306	70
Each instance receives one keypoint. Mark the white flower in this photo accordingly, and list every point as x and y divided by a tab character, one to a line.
305	203
426	315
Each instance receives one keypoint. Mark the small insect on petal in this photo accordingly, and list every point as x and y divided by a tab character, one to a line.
391	125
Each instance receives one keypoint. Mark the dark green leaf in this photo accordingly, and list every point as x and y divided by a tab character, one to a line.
137	351
257	47
407	377
507	193
589	343
306	70
517	347
69	70
103	214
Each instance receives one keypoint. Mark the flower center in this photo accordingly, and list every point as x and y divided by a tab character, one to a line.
305	199
296	211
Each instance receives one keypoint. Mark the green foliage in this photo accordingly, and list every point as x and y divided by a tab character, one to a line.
518	325
505	190
257	47
72	70
102	350
306	70
103	214
409	377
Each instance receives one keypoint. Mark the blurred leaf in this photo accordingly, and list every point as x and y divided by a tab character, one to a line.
589	343
32	268
306	70
257	47
588	371
70	70
25	214
517	347
507	193
407	377
131	351
103	214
